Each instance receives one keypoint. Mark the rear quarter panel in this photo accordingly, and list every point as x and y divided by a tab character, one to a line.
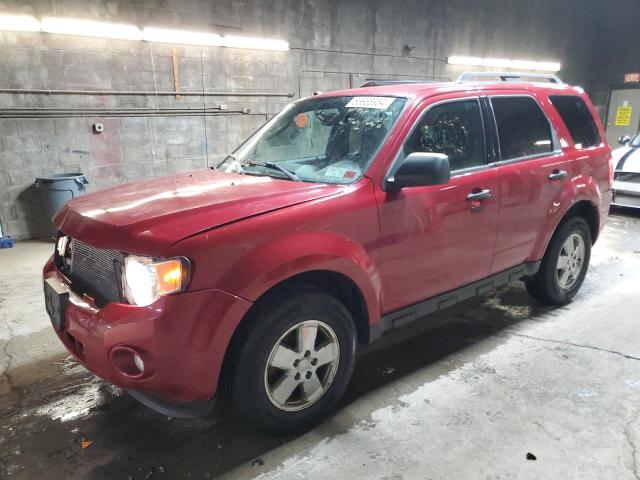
590	170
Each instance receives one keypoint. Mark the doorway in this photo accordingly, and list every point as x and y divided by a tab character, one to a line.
623	116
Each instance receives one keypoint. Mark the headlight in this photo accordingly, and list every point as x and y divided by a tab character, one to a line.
146	279
61	245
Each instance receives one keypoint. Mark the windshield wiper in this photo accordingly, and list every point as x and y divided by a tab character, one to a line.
275	166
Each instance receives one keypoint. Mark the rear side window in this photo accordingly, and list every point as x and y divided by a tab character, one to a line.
523	130
578	119
453	128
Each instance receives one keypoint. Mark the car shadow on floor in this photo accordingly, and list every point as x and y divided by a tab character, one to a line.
628	212
132	442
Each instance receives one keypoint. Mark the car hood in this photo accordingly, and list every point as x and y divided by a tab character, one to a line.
147	217
626	159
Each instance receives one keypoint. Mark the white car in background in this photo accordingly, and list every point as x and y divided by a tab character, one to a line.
626	180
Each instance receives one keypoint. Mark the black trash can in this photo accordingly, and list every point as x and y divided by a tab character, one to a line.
58	189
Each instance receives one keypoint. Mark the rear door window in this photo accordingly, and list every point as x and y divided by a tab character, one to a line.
523	129
578	119
454	129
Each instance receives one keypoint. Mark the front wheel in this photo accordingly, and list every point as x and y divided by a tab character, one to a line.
564	265
293	362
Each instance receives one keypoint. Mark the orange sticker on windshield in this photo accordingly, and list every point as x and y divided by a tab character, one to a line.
301	120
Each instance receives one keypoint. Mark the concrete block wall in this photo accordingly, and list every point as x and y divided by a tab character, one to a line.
616	50
334	45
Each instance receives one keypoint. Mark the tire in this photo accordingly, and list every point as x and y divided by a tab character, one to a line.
553	285
257	388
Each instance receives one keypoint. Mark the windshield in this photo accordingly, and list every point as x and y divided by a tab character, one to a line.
328	140
635	142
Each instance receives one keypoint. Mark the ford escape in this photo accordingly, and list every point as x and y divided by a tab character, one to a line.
347	214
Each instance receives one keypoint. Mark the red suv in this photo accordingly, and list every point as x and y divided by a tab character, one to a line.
347	214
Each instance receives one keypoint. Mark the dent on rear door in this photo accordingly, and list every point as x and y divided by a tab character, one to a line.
533	171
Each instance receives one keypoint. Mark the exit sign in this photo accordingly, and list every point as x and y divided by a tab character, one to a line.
632	78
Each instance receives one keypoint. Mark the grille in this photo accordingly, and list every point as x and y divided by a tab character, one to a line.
94	271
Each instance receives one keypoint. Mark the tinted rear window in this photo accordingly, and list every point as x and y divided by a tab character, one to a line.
578	119
523	130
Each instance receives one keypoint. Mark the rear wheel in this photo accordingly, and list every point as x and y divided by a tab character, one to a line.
293	361
564	265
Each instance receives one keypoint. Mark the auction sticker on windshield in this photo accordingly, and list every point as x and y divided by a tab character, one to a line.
379	103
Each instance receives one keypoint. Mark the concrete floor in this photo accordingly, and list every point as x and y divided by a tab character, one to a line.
26	337
462	395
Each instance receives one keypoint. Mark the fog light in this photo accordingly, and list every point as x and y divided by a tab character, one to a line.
129	362
138	361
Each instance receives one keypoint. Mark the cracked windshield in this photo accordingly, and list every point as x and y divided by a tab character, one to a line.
327	140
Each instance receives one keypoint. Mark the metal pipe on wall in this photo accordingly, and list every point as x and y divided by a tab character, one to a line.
128	114
35	91
102	109
48	112
98	111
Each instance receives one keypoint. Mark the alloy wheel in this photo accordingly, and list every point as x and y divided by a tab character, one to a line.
302	365
570	261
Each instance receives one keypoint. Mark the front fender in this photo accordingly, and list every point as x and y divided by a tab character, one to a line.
280	259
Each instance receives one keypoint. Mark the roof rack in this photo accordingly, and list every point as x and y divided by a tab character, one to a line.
467	77
378	83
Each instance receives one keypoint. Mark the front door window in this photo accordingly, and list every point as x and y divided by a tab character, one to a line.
454	129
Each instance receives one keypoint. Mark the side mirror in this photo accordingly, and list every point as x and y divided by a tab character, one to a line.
624	139
419	170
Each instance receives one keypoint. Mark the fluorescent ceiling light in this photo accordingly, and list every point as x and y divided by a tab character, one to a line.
549	66
19	23
90	28
254	43
186	37
505	63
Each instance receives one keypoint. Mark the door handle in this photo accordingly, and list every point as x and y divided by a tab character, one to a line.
557	175
478	194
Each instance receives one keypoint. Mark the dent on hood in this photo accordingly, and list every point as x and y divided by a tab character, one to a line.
148	217
180	192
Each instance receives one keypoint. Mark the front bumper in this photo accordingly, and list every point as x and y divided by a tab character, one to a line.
180	338
626	194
